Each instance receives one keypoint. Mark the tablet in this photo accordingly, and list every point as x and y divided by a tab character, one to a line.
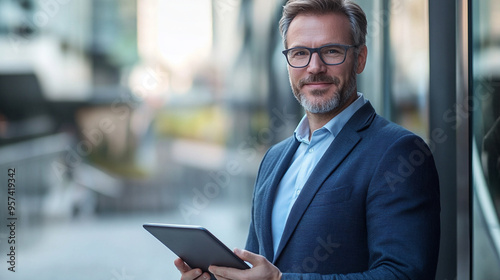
196	246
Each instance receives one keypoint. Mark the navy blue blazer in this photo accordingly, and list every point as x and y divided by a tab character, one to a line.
369	210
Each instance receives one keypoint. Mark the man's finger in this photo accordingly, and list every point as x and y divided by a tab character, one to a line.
225	272
247	256
189	273
181	265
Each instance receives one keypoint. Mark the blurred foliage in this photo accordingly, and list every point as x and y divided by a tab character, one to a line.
127	168
206	123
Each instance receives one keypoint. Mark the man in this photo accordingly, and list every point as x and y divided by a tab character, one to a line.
349	195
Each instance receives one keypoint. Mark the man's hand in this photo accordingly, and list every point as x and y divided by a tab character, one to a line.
262	269
188	273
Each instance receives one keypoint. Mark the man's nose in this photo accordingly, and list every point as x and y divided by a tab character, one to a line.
316	65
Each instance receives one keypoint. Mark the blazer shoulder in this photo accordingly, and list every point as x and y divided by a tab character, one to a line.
388	130
274	155
277	151
367	122
279	148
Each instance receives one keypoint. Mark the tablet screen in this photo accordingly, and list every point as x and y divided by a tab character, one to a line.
196	246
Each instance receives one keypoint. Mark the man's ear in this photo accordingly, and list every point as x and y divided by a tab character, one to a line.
363	53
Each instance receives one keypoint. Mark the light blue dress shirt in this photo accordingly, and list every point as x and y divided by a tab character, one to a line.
304	161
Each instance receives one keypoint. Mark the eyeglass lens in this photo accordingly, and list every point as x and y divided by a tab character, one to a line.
299	57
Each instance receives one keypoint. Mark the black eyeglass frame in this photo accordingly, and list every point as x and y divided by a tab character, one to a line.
317	50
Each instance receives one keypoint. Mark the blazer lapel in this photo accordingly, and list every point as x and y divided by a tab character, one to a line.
281	167
341	146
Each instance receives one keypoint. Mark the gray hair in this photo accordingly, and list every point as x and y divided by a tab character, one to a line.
351	10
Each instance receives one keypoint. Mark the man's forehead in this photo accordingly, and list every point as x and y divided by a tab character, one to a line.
326	17
319	29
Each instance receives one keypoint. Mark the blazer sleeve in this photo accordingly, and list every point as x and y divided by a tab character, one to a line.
252	243
402	216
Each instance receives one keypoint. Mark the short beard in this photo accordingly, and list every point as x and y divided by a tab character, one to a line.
338	100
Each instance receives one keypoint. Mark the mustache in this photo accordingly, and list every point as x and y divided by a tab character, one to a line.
319	78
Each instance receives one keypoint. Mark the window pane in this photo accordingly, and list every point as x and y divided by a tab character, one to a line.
485	107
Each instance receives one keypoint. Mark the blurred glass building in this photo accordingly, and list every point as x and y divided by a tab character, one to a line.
117	113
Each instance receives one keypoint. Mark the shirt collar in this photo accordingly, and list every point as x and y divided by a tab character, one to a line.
334	125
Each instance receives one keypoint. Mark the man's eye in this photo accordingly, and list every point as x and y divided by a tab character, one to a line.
299	53
332	51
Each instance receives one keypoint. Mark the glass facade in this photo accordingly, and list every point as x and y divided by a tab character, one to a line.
398	39
484	105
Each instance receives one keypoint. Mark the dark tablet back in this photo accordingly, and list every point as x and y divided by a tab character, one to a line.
196	246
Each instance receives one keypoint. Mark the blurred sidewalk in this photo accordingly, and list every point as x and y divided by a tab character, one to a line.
114	247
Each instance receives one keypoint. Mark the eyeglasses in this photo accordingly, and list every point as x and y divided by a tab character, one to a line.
333	54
